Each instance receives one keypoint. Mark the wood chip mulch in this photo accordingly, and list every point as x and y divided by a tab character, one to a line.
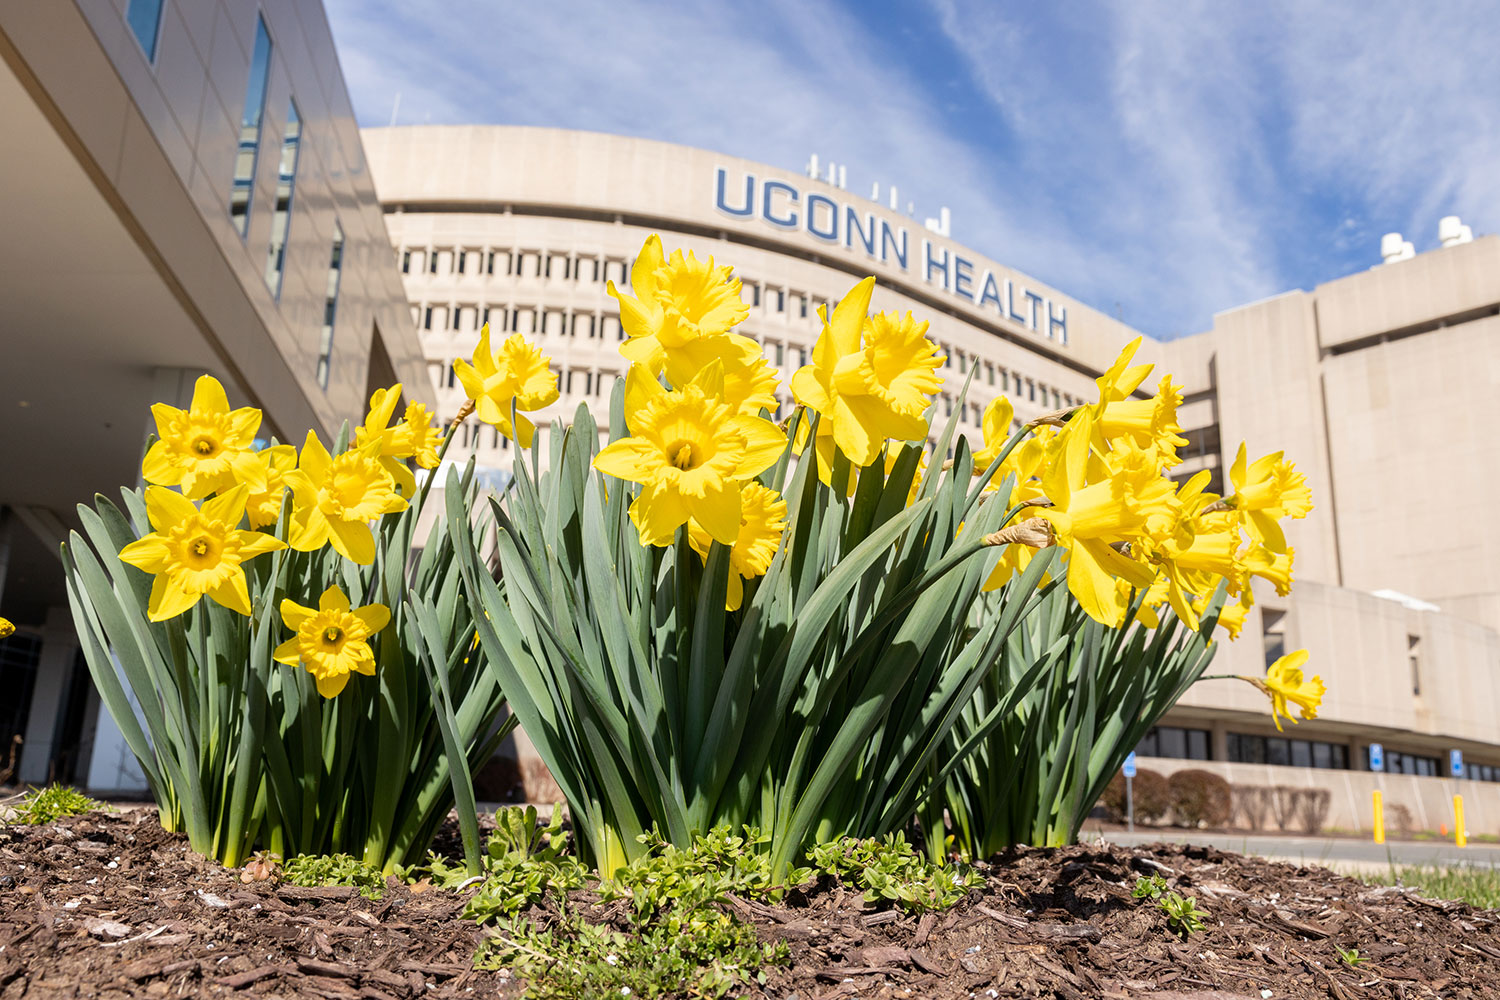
111	906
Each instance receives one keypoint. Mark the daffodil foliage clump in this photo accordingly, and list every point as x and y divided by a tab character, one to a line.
290	675
827	626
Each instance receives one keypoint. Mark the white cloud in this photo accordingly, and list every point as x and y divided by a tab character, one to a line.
1176	158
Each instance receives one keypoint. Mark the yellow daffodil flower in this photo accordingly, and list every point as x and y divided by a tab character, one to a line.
996	425
1274	567
264	508
690	451
517	372
1089	518
869	381
680	318
1232	615
194	552
1284	683
334	499
1149	423
1122	378
414	437
332	641
762	521
207	447
6	628
1266	491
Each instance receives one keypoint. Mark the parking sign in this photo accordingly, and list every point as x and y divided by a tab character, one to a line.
1377	757
1129	768
1456	763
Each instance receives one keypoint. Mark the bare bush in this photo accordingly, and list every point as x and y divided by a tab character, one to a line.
1312	808
1252	803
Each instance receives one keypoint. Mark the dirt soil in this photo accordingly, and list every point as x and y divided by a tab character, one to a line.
111	906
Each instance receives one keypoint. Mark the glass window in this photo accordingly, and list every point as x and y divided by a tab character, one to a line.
1148	745
1278	752
331	304
463	259
250	121
1197	744
1322	755
144	18
1301	753
286	181
1171	741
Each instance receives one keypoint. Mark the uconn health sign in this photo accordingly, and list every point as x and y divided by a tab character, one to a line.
848	225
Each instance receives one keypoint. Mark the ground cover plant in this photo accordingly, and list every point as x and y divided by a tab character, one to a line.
225	635
109	905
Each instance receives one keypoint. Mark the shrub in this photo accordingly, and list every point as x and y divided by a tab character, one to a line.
1199	798
1312	810
1151	793
1251	804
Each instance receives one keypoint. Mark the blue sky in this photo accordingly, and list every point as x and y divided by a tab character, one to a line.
1168	160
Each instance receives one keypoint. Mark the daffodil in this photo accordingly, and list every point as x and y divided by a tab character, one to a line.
196	551
1265	491
264	508
414	437
869	381
208	447
516	373
1274	567
1284	683
762	522
680	318
691	452
334	499
6	628
1232	614
333	640
1149	423
1122	378
1091	515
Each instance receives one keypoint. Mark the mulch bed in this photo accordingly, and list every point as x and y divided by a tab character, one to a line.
111	906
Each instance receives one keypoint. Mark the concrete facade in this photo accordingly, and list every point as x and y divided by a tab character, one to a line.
1380	386
129	138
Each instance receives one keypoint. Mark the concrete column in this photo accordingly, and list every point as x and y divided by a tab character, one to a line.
1218	740
54	669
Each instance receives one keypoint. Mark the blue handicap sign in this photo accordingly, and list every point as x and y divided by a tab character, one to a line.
1129	767
1377	757
1456	763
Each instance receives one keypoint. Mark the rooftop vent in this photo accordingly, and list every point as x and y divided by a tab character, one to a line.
1393	248
1452	231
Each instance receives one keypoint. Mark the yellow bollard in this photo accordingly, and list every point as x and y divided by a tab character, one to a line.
1460	836
1379	817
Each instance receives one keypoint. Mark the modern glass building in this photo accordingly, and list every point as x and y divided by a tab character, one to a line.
184	191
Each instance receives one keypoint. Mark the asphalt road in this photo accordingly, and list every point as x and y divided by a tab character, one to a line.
1336	853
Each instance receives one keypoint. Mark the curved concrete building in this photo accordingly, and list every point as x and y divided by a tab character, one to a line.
1379	386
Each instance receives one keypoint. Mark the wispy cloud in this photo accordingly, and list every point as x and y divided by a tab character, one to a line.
1174	158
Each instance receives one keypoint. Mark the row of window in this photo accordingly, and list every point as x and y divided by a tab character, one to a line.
1195	744
565	266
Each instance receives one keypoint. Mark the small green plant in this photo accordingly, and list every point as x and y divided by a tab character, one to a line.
1183	915
523	862
890	870
690	949
1151	887
335	869
1349	956
44	805
717	864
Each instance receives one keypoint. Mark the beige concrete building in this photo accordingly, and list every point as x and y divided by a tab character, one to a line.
184	191
1381	387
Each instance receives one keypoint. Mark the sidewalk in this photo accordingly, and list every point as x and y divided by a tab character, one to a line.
1338	853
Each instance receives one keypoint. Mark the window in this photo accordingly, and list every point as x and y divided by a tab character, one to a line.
1247	749
802	306
432	262
427	318
286	180
463	260
1273	636
780	301
250	119
485	317
754	290
989	373
780	354
1175	742
489	263
406	262
331	304
144	18
1414	658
